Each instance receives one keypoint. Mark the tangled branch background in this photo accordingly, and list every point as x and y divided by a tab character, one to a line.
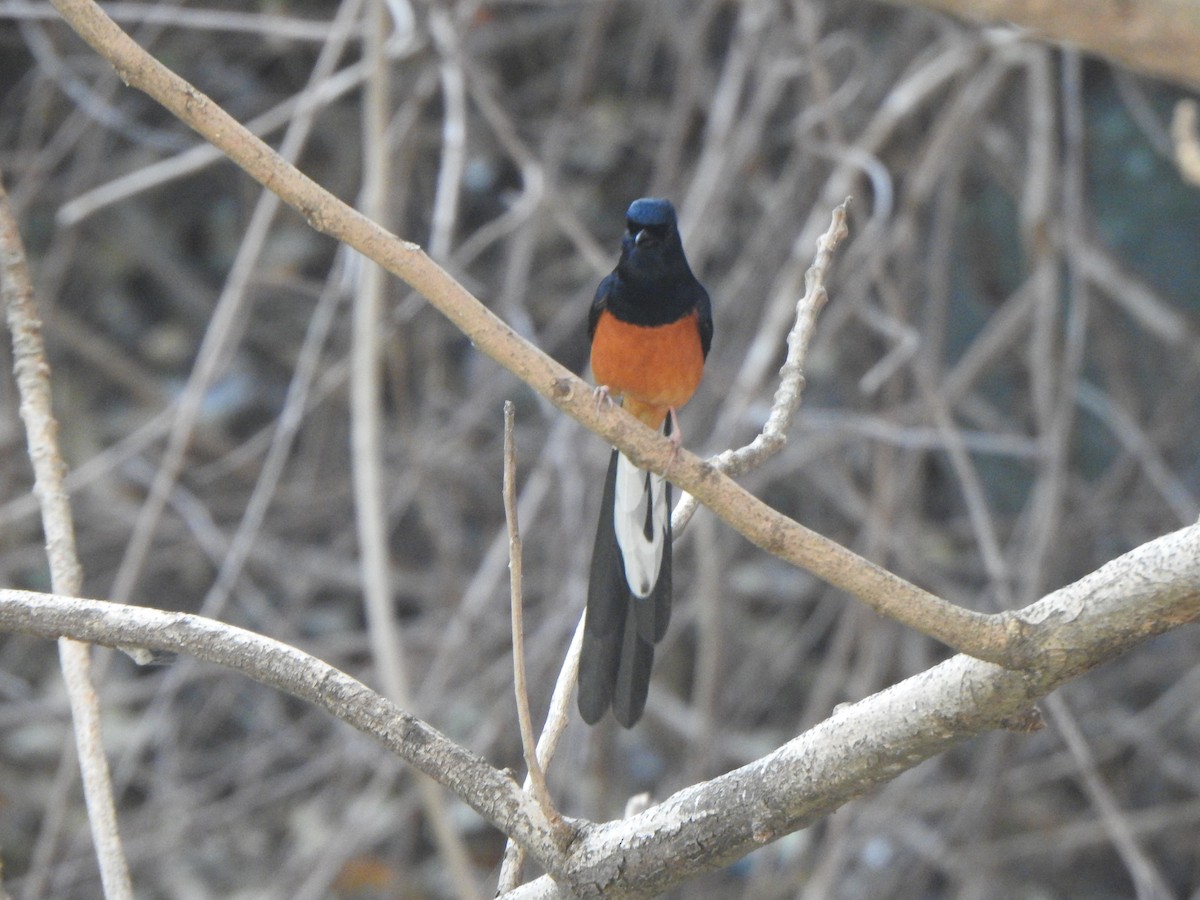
1000	397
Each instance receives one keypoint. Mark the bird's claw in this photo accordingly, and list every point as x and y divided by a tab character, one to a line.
602	397
676	439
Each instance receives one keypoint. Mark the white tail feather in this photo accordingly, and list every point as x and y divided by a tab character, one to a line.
642	555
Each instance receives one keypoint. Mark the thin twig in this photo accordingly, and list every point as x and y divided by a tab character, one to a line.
387	649
537	776
540	792
1186	140
556	725
560	701
774	432
66	576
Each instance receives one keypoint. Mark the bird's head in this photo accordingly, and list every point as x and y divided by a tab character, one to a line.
651	247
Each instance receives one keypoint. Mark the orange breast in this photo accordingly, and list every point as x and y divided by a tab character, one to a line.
654	368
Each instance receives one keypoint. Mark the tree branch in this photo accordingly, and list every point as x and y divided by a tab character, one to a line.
66	574
1148	591
490	792
987	637
773	436
1157	37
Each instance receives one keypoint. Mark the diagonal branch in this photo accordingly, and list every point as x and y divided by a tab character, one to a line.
994	638
1148	591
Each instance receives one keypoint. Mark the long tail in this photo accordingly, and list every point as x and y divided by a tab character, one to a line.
631	572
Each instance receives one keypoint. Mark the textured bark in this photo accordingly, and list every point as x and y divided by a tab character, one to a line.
1146	592
1157	37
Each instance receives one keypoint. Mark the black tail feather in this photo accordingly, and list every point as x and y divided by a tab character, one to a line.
618	648
633	676
654	612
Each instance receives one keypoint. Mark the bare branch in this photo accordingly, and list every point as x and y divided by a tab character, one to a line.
1150	590
1186	140
982	636
703	827
1146	592
773	436
537	776
1158	37
66	574
387	642
491	793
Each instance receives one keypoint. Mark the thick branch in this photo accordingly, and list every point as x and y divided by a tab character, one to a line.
1143	593
1157	37
1147	591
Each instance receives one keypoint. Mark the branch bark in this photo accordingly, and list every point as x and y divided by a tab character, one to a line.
1157	37
66	575
495	795
1146	592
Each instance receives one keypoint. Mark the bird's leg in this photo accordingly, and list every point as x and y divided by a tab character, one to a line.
675	437
601	396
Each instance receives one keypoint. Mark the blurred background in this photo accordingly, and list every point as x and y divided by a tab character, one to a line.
1001	396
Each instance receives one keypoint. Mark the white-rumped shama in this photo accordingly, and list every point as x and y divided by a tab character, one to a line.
651	327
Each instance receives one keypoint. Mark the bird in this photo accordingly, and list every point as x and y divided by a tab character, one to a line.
651	327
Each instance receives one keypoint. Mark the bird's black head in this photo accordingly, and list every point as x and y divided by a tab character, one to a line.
650	212
651	248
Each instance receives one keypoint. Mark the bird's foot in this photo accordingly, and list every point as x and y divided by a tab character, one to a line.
675	437
602	397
